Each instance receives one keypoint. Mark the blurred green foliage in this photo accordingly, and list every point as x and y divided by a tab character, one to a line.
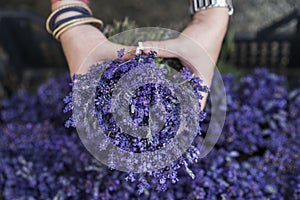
119	26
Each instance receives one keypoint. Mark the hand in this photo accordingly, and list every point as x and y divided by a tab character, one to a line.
207	30
80	44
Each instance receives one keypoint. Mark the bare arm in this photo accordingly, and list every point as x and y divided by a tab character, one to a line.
79	41
199	45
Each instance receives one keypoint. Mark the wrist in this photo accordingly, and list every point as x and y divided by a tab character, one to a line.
55	1
211	22
55	4
196	5
208	29
218	17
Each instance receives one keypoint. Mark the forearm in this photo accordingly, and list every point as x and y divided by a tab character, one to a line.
208	28
79	40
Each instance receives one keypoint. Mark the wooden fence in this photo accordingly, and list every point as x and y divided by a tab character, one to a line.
269	47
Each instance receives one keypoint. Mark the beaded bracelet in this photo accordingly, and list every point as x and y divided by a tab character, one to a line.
84	1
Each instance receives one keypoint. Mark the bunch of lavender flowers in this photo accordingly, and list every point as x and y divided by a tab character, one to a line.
40	159
138	105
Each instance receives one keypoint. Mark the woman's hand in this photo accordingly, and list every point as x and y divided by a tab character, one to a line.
79	44
198	47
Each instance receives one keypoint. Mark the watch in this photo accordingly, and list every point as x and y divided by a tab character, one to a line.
196	5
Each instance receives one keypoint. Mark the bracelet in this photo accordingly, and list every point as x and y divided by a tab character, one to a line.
63	21
71	7
196	5
61	26
76	22
66	24
53	25
84	1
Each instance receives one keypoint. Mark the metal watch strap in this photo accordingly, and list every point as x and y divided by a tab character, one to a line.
196	5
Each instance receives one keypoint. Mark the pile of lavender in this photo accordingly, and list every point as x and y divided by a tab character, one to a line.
257	156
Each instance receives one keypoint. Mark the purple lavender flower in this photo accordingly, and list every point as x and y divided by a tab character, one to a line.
121	53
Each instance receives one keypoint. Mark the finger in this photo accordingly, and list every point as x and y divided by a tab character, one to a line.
165	49
113	51
108	51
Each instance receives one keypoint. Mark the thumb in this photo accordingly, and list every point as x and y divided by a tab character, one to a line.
165	49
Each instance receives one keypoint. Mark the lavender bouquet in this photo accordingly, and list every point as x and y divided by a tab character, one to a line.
142	114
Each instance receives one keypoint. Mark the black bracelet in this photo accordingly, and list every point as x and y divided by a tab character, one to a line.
60	22
53	25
